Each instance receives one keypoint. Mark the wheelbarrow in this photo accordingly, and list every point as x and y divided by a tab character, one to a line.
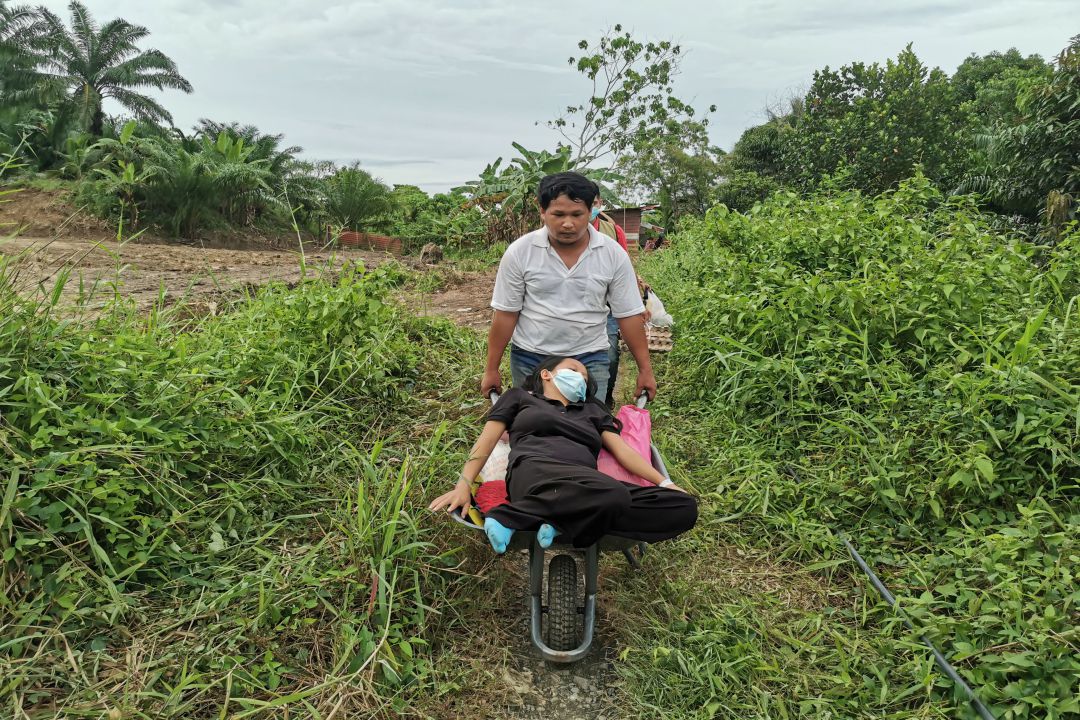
554	625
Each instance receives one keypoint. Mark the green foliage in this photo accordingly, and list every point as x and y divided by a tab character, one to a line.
899	369
356	200
20	28
47	133
90	63
631	96
242	179
507	196
182	194
216	492
234	176
514	187
211	419
878	123
1032	165
977	72
990	85
677	168
760	149
742	189
446	219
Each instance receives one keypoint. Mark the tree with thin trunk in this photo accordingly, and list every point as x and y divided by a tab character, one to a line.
631	97
90	63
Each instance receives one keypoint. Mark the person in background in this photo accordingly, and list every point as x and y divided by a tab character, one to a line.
605	224
609	227
655	243
554	289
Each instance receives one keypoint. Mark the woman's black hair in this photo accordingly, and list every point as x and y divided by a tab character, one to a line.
573	185
535	384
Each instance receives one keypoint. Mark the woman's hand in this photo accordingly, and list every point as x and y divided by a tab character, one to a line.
459	497
673	486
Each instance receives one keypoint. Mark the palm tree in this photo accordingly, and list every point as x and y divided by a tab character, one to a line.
356	200
263	146
91	63
20	26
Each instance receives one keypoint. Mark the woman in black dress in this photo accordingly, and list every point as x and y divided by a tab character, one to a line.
557	428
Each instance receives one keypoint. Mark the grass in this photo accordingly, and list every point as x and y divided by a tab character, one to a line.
222	516
46	183
897	369
222	524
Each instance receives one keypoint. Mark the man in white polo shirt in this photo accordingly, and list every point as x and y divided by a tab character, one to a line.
554	288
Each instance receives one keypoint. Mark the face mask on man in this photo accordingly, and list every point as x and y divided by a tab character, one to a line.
595	214
570	383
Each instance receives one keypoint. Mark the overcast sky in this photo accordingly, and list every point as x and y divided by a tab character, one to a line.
429	91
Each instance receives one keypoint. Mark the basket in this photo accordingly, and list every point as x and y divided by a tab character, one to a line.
660	339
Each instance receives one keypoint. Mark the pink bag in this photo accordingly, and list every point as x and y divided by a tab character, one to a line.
637	433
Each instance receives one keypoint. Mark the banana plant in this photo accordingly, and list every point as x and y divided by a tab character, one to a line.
506	195
243	180
513	187
125	183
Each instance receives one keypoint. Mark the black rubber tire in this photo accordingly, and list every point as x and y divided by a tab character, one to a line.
562	615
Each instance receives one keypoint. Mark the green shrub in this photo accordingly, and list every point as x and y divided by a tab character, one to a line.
896	368
742	189
223	474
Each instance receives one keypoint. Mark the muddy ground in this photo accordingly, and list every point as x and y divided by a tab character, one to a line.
47	235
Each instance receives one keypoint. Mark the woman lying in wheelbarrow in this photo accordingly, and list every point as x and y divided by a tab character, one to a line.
557	428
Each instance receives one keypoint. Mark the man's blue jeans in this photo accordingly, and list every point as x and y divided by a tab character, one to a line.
613	359
523	363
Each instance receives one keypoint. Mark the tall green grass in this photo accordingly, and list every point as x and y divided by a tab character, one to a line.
212	516
902	369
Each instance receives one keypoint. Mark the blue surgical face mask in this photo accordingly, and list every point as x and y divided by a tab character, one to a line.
595	214
570	383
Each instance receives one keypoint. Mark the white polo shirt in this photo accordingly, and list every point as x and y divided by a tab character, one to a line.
563	311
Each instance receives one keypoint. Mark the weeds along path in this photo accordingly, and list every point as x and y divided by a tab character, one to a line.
707	616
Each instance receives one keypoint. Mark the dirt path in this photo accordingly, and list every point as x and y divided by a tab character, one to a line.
146	267
536	689
530	687
464	297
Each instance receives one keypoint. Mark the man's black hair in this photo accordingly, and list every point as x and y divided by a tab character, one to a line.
535	384
573	185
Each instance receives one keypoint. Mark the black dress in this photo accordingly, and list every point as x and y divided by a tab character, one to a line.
552	477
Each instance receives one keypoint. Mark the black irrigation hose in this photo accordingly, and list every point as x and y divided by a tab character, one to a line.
942	663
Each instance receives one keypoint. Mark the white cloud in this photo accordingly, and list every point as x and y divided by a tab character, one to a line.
430	91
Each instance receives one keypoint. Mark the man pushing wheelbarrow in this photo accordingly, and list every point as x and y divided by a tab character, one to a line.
552	295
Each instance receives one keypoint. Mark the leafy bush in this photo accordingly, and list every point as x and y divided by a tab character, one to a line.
116	434
221	474
879	122
740	190
444	219
896	368
1032	165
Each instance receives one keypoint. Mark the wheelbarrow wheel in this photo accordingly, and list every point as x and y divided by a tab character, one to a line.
562	603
